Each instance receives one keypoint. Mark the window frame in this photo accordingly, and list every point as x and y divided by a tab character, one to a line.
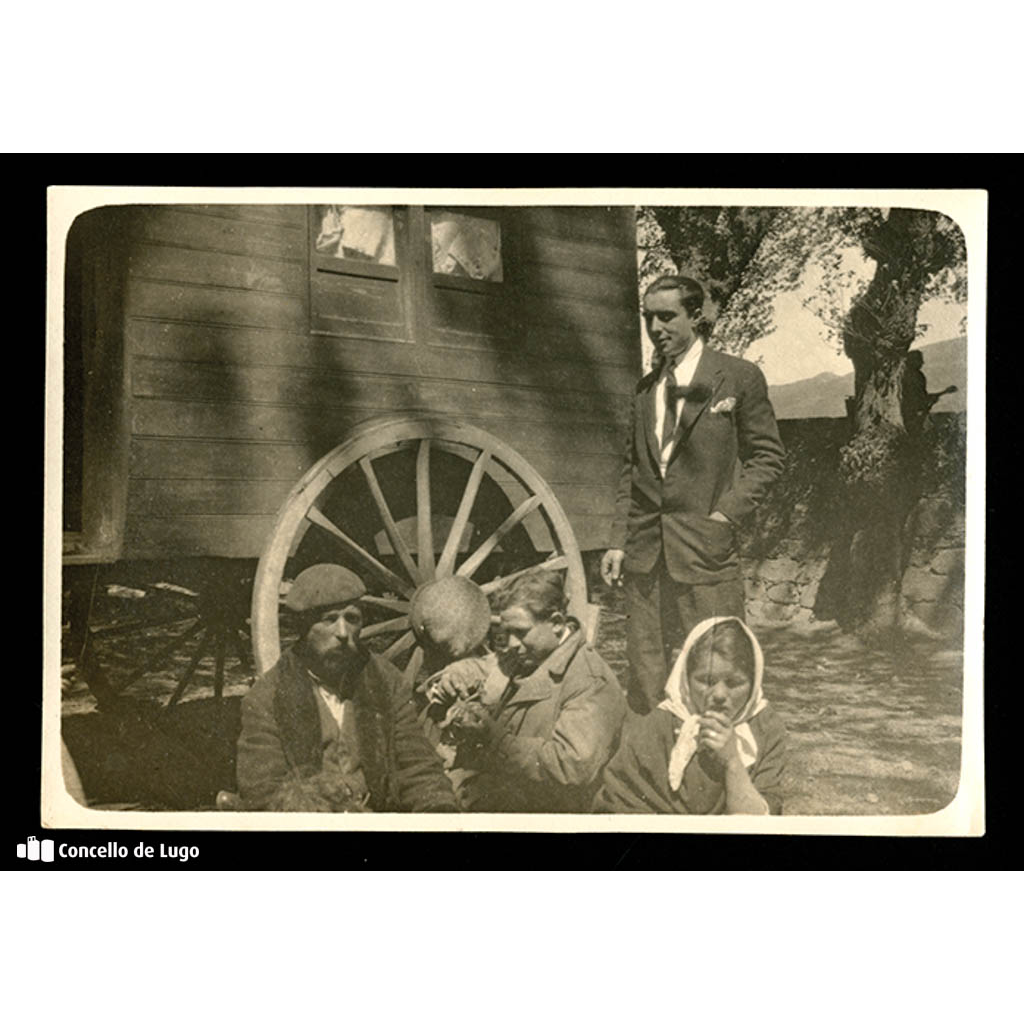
402	275
413	276
469	284
323	263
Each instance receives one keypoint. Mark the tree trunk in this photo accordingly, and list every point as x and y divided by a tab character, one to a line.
880	465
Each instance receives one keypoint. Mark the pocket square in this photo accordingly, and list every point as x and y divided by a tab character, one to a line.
725	405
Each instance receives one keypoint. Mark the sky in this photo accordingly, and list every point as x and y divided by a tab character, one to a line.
799	347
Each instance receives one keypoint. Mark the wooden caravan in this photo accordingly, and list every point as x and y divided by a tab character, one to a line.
219	358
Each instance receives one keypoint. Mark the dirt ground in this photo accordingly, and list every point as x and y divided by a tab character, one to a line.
871	732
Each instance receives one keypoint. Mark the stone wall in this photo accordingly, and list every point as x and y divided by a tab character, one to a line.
786	548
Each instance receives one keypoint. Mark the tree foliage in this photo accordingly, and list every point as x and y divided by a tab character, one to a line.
746	257
734	252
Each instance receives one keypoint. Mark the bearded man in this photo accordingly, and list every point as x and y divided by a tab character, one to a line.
332	726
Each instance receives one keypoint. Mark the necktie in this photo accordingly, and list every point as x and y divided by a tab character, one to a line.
673	392
676	391
671	399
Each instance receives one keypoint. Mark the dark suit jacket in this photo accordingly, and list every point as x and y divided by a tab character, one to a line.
722	461
282	737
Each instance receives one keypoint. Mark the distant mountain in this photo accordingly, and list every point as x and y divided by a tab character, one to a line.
825	395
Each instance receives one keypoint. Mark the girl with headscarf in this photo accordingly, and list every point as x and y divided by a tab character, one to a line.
713	745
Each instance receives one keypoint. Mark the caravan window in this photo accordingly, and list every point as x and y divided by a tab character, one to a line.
359	272
465	246
409	273
363	233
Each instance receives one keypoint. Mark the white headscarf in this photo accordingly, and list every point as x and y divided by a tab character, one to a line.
677	702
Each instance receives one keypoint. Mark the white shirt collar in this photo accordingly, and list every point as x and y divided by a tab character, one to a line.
687	364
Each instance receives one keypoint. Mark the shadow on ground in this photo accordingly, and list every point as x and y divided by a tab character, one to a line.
871	732
142	755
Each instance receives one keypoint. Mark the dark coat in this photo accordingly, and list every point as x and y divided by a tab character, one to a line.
636	779
283	736
554	731
722	461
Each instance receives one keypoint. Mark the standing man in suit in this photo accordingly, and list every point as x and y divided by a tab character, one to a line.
703	448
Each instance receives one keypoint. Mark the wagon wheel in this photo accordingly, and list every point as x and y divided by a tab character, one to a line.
212	620
404	501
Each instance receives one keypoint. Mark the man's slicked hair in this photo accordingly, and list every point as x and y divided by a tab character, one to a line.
690	291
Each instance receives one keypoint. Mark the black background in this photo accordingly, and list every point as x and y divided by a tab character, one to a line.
25	321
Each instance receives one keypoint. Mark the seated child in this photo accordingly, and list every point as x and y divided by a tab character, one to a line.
451	619
713	745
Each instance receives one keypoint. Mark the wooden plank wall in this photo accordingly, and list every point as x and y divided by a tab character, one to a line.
233	397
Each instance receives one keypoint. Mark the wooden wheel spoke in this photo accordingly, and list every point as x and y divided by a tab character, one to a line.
218	673
415	661
165	651
389	603
388	626
471	564
451	545
555	562
117	628
382	572
403	643
197	657
390	526
424	531
431	446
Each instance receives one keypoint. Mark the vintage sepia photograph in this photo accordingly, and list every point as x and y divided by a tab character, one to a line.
569	510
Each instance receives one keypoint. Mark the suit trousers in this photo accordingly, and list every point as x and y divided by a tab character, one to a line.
661	613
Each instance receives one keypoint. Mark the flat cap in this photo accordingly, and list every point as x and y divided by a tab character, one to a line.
450	615
322	586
